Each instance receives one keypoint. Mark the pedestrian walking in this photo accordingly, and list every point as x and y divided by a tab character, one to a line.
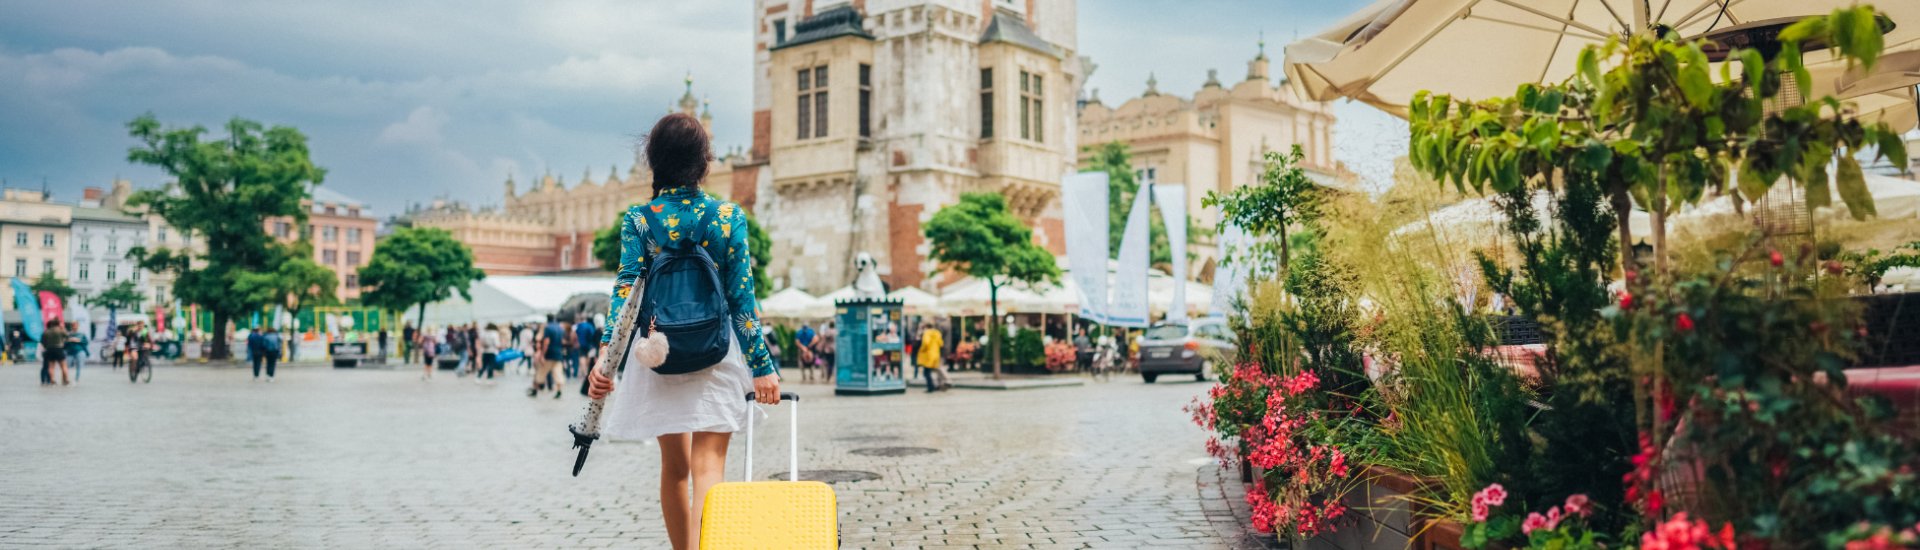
77	348
407	344
824	345
427	349
256	350
383	344
929	352
116	347
270	345
489	354
693	415
551	346
571	342
584	335
53	347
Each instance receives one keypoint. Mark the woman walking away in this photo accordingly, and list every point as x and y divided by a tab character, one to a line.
929	352
695	414
53	347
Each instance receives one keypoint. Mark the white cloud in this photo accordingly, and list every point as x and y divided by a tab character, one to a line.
422	126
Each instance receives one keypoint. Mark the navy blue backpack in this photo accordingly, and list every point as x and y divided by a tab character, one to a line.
683	299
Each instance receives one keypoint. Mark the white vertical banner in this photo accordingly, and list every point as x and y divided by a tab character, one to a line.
1083	197
1230	277
1173	211
1130	307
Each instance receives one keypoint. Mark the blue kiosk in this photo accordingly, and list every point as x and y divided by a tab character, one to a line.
870	359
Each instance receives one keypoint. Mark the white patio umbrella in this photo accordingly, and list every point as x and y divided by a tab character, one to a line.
794	303
971	297
917	302
1391	50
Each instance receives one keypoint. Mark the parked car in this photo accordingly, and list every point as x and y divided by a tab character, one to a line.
1189	348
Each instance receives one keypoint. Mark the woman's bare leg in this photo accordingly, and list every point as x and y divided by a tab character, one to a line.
675	455
709	467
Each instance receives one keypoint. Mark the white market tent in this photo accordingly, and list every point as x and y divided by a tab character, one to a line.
794	303
507	298
916	301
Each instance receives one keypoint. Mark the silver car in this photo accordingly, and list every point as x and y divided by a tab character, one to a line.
1190	348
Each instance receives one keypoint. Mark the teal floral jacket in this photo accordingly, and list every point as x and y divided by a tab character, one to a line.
679	208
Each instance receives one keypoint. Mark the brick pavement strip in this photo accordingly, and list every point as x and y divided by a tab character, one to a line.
326	458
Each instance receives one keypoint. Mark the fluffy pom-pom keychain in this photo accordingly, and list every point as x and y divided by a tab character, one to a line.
651	351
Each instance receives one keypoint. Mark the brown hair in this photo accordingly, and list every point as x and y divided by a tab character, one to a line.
678	150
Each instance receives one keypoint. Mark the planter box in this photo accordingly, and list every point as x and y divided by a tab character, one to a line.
1380	517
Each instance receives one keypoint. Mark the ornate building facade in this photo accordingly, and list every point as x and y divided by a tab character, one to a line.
1216	140
869	116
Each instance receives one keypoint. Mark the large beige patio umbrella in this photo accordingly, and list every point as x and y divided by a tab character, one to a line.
1391	50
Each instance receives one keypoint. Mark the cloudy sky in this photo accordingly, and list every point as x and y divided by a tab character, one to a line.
407	101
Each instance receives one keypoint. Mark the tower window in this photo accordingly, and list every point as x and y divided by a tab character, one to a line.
986	103
779	32
1032	107
866	100
811	111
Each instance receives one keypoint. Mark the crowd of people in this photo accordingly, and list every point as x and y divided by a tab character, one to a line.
553	352
64	349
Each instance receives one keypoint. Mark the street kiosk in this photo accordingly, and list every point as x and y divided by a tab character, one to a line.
869	354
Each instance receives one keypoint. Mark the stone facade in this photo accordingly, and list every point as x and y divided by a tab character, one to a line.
871	116
1216	140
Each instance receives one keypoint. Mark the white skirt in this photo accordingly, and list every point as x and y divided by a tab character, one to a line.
646	404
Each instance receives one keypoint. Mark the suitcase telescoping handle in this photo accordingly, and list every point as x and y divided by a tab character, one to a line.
793	442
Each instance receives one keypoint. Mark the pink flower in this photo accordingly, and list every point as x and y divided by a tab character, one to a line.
1494	495
1577	505
1534	522
1553	518
1479	510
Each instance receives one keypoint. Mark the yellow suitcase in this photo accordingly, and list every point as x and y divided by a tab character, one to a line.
771	514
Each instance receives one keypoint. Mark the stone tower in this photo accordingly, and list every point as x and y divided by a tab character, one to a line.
869	116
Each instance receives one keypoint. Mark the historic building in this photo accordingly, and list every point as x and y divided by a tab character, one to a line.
869	116
34	234
550	227
102	237
341	230
1216	140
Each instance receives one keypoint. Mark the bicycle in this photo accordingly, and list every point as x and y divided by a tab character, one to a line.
140	364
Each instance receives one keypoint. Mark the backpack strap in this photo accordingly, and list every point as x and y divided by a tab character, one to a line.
706	220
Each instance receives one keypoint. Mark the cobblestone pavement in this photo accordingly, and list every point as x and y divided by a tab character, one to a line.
376	458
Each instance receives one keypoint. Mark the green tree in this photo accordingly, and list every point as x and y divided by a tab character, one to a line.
226	190
118	297
1284	197
48	282
296	281
417	266
1117	161
979	237
606	249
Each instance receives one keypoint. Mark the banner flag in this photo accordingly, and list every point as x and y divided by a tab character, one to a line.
29	307
1083	197
1130	306
50	311
1230	278
1172	199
